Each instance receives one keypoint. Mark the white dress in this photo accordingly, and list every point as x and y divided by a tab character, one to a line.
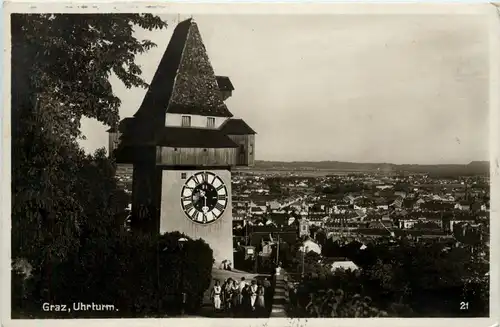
240	293
217	299
253	295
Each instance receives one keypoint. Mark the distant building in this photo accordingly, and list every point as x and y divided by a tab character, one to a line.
257	211
462	219
113	140
402	194
274	205
303	227
463	205
310	246
343	265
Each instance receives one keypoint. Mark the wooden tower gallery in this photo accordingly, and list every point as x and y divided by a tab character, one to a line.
182	143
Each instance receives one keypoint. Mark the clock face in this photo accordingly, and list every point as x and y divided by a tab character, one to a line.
204	197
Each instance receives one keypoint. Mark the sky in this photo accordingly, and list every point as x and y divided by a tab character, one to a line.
360	88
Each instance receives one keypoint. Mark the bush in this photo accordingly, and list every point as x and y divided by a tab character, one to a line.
409	279
140	275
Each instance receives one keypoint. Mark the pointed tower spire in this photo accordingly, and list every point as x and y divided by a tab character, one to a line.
185	82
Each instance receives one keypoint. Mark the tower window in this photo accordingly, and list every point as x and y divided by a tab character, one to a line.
210	122
183	175
186	121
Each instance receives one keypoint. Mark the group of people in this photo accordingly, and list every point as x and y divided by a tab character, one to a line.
240	298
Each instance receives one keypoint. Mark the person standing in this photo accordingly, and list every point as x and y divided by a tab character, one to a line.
292	291
216	295
267	291
228	295
278	269
253	294
235	296
242	287
260	298
223	293
245	302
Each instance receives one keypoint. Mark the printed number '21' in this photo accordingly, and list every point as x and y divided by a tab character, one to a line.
464	305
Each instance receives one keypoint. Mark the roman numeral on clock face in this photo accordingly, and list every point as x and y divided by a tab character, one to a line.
199	216
193	213
210	216
204	177
222	197
188	206
219	206
220	187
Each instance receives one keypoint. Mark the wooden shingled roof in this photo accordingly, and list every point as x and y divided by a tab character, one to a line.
236	127
224	83
185	82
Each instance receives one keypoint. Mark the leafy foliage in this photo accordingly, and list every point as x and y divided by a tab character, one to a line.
69	58
60	70
408	279
336	296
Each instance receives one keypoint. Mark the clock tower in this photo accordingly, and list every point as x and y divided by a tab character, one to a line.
183	143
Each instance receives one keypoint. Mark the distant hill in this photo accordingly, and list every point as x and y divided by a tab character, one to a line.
473	168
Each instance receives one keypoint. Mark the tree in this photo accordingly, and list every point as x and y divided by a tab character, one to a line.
312	264
60	70
312	230
331	249
321	237
274	185
412	279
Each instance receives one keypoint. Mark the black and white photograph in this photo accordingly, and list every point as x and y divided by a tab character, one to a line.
250	164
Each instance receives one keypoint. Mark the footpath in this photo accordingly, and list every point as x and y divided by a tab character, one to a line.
280	298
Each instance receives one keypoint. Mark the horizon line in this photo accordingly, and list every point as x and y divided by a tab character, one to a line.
375	163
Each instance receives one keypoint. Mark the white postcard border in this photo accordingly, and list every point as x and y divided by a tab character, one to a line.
293	8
